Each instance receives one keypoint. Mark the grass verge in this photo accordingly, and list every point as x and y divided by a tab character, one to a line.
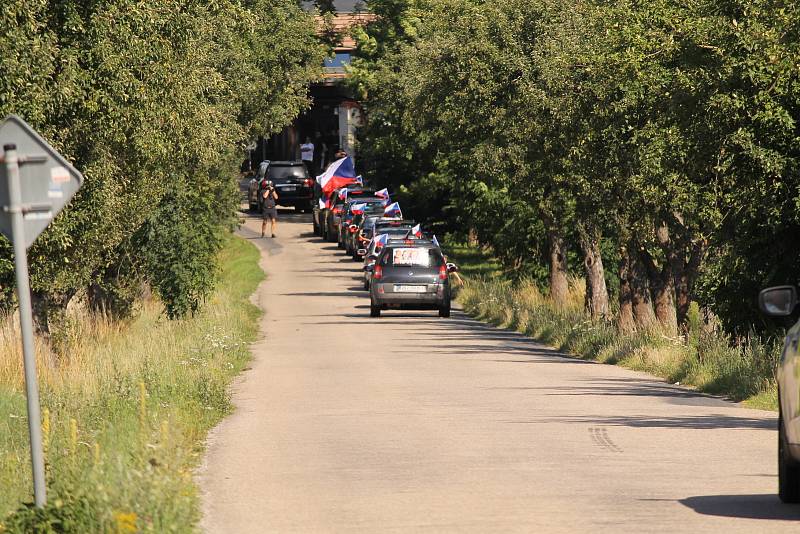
126	412
705	358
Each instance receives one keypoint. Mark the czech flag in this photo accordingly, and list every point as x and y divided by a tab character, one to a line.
381	240
392	210
436	241
360	179
343	194
340	173
358	209
417	231
383	193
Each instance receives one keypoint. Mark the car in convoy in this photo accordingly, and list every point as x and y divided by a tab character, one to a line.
330	229
350	219
781	301
410	274
371	253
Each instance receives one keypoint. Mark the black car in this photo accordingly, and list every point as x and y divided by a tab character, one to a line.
295	188
410	274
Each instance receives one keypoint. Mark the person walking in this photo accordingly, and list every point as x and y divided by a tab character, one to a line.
269	208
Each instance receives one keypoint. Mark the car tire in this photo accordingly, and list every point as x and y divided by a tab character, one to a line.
788	469
366	285
444	311
316	228
374	311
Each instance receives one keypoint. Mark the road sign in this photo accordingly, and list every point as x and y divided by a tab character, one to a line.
47	180
36	182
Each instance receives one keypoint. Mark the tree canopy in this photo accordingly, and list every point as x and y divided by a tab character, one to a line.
152	101
650	146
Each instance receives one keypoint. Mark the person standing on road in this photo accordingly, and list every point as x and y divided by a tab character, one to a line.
269	208
307	155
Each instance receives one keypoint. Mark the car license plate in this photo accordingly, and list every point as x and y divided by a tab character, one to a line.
288	187
410	289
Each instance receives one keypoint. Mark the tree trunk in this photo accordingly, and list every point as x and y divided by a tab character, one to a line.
596	291
625	321
558	269
472	237
662	279
685	273
642	305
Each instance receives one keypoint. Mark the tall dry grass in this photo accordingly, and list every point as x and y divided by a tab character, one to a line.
705	356
126	406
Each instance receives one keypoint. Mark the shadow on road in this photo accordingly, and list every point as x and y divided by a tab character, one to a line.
698	422
767	507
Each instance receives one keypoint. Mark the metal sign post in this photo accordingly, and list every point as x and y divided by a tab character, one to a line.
37	184
14	209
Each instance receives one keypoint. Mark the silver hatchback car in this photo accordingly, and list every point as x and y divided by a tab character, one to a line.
781	302
410	274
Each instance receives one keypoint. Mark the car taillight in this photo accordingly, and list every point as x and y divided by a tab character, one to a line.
308	182
377	272
443	272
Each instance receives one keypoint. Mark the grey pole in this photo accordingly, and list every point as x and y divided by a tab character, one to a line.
26	323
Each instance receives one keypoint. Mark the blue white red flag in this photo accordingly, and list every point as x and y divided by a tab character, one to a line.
393	210
436	241
322	204
358	209
343	194
386	202
338	174
383	193
417	231
360	179
381	240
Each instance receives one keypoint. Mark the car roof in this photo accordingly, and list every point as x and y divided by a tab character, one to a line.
286	163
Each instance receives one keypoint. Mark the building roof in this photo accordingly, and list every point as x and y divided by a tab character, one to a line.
341	6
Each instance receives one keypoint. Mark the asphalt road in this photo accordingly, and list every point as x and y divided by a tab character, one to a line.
414	423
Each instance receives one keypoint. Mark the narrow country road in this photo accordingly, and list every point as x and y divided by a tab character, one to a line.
414	423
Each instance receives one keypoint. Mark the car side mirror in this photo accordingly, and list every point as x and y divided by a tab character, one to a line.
779	301
369	268
452	268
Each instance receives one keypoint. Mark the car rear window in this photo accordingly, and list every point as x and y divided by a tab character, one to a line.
412	257
279	173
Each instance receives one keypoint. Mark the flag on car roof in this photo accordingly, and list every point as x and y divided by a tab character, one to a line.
343	194
340	173
417	231
383	193
358	209
381	240
393	210
436	241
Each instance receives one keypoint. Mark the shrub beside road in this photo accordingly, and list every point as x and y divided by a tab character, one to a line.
127	411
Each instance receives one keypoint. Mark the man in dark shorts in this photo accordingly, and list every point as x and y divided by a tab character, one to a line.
269	208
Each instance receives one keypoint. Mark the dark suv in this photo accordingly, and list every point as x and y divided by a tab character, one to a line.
294	186
410	274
